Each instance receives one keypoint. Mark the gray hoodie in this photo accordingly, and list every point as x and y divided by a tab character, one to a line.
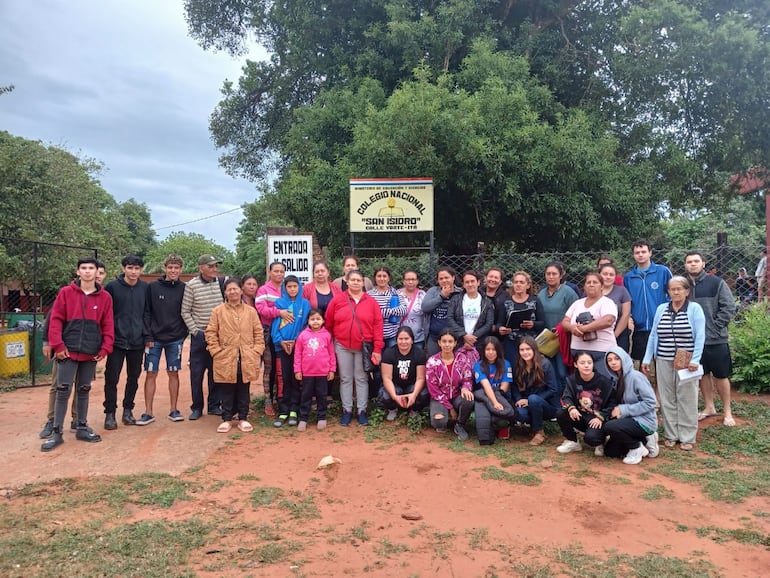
638	397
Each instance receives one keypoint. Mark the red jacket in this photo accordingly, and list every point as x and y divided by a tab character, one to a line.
73	305
342	326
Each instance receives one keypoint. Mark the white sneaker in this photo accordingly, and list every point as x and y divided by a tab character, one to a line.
652	445
599	451
635	456
568	446
392	415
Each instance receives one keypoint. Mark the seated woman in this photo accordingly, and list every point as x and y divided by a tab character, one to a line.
587	402
536	389
449	377
591	322
493	376
403	376
631	433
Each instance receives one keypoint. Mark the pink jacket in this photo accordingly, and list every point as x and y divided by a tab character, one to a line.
265	300
314	353
308	292
443	387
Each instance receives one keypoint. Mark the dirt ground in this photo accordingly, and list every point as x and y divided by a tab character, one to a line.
582	500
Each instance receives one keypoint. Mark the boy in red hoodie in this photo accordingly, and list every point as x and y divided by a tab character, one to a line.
80	333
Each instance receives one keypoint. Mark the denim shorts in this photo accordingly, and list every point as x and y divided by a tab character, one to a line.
173	351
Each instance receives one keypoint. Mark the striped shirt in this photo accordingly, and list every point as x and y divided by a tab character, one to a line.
393	307
674	332
200	298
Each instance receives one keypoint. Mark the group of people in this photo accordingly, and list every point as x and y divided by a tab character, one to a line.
466	346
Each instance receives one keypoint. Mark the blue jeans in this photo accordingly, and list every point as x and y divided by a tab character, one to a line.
537	411
173	352
200	363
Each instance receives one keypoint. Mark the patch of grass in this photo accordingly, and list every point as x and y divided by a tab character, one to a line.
90	549
477	538
301	509
248	478
761	514
741	535
265	496
657	492
749	439
387	548
277	551
360	532
619	480
495	473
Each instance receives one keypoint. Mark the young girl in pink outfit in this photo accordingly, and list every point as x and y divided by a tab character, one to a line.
314	366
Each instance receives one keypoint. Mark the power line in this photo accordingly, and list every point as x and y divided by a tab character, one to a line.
198	220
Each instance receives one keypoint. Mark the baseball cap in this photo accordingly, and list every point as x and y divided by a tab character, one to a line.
208	260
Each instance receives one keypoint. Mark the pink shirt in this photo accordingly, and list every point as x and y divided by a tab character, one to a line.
605	338
314	353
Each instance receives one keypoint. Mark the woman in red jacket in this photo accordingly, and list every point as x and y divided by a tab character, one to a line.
352	318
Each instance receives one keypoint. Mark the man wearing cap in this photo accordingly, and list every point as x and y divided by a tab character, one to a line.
201	295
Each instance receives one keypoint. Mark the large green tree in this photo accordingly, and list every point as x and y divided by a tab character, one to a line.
49	195
188	246
675	94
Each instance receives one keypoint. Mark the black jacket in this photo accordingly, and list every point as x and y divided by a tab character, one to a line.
128	312
455	321
163	312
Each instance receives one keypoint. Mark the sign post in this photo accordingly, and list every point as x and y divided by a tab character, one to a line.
295	252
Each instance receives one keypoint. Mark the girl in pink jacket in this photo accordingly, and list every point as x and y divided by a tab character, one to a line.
314	366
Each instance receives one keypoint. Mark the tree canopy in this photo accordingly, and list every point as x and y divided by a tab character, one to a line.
47	194
188	246
549	124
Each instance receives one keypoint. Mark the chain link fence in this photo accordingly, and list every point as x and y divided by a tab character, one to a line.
31	273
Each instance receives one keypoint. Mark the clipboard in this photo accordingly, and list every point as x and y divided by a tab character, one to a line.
547	342
516	317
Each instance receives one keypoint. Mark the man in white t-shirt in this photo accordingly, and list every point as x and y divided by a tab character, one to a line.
761	273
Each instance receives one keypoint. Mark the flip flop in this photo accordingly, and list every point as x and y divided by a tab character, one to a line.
729	422
702	416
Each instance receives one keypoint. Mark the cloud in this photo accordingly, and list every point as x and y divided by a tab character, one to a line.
122	82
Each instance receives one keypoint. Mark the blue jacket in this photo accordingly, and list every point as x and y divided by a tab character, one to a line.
697	322
638	396
300	307
647	290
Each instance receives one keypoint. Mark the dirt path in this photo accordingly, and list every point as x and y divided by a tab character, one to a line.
470	525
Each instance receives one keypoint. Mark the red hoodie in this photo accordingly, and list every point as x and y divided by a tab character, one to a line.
72	304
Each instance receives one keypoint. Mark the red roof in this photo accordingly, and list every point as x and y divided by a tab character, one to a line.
750	181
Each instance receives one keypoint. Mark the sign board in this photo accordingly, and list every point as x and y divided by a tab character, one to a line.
295	252
15	349
391	205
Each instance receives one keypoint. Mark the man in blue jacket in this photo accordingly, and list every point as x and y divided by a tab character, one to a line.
646	282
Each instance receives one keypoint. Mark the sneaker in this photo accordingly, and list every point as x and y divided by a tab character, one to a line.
176	415
279	421
347	417
47	430
302	426
635	455
321	424
293	418
460	432
54	441
196	414
145	419
109	421
86	434
504	433
392	415
651	443
599	451
440	430
362	420
224	427
568	446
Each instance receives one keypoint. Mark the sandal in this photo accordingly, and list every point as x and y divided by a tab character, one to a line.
728	422
703	415
669	443
245	426
224	427
687	447
537	439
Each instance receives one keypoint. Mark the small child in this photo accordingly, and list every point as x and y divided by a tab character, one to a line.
493	373
284	333
314	366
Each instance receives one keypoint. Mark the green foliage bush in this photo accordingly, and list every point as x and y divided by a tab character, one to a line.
751	349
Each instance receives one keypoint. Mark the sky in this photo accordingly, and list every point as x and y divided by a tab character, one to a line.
122	82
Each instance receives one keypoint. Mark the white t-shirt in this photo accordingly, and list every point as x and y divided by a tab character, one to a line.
471	312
